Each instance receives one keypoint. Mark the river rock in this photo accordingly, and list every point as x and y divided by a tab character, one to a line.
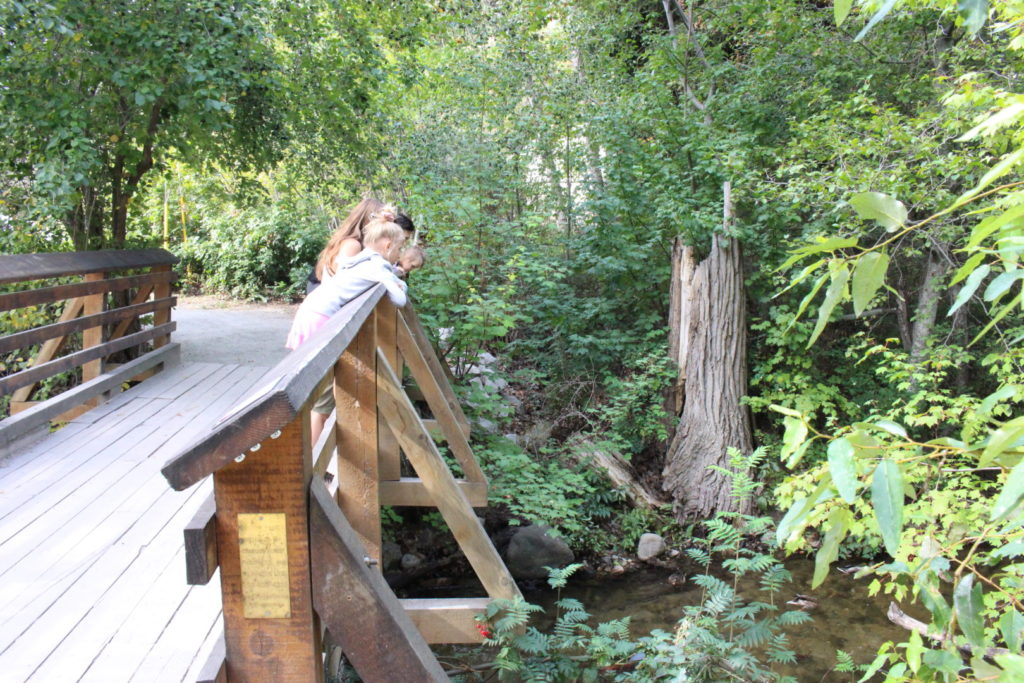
650	546
391	554
533	548
411	561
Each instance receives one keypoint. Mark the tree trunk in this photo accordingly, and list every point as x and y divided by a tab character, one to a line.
683	265
927	305
716	379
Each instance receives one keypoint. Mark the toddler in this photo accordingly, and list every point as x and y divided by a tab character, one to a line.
374	264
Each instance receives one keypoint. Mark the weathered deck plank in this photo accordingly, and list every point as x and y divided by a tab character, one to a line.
92	575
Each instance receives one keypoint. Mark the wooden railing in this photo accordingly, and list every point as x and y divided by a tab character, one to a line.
293	555
142	278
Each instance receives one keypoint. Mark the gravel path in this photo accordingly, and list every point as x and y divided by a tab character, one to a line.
217	330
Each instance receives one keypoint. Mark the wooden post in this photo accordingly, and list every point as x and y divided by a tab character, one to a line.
161	291
387	342
355	391
262	526
94	303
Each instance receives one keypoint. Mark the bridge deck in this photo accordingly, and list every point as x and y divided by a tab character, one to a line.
92	568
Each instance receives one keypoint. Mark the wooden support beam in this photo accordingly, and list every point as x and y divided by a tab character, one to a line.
446	620
410	491
263	549
161	291
201	544
387	342
72	309
438	368
357	606
439	482
439	401
140	297
92	337
355	392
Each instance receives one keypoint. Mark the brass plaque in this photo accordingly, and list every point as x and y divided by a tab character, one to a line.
263	551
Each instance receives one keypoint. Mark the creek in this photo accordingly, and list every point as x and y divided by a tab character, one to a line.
846	617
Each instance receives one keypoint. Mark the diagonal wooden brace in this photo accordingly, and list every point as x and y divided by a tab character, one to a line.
357	606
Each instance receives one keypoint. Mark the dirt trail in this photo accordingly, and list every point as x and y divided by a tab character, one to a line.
218	330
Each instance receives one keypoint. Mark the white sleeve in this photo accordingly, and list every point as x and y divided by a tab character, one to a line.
395	287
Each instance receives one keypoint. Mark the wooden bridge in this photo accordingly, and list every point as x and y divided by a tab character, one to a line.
182	529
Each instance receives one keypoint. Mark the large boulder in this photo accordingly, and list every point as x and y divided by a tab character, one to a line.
650	546
533	548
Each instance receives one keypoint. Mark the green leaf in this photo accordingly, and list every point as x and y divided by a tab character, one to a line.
991	225
970	287
967	268
1010	497
887	501
974	13
838	522
989	402
797	514
785	411
801	277
930	592
1000	314
1012	666
994	173
836	289
882	12
892	427
841	466
1011	626
886	209
1001	283
798	455
841	10
868	276
807	299
915	648
967	601
796	432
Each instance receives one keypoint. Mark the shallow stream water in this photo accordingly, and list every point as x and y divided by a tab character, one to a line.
846	618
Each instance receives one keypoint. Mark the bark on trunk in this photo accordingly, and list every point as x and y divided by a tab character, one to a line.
716	379
683	266
927	305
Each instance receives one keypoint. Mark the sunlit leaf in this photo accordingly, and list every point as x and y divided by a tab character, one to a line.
807	299
838	522
887	501
967	268
1010	497
797	514
796	433
999	315
841	10
836	290
841	466
868	276
970	287
1001	283
974	13
994	173
892	427
882	12
877	206
1011	626
1000	394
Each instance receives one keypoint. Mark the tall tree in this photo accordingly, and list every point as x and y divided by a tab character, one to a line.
94	93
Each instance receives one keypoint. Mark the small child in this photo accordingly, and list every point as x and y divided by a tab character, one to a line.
411	259
382	240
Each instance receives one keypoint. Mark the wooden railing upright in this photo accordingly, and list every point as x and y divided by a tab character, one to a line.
293	556
85	310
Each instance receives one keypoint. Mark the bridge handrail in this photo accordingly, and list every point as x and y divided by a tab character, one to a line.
278	399
85	311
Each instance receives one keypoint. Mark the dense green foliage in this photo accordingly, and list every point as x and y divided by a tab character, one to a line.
550	153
